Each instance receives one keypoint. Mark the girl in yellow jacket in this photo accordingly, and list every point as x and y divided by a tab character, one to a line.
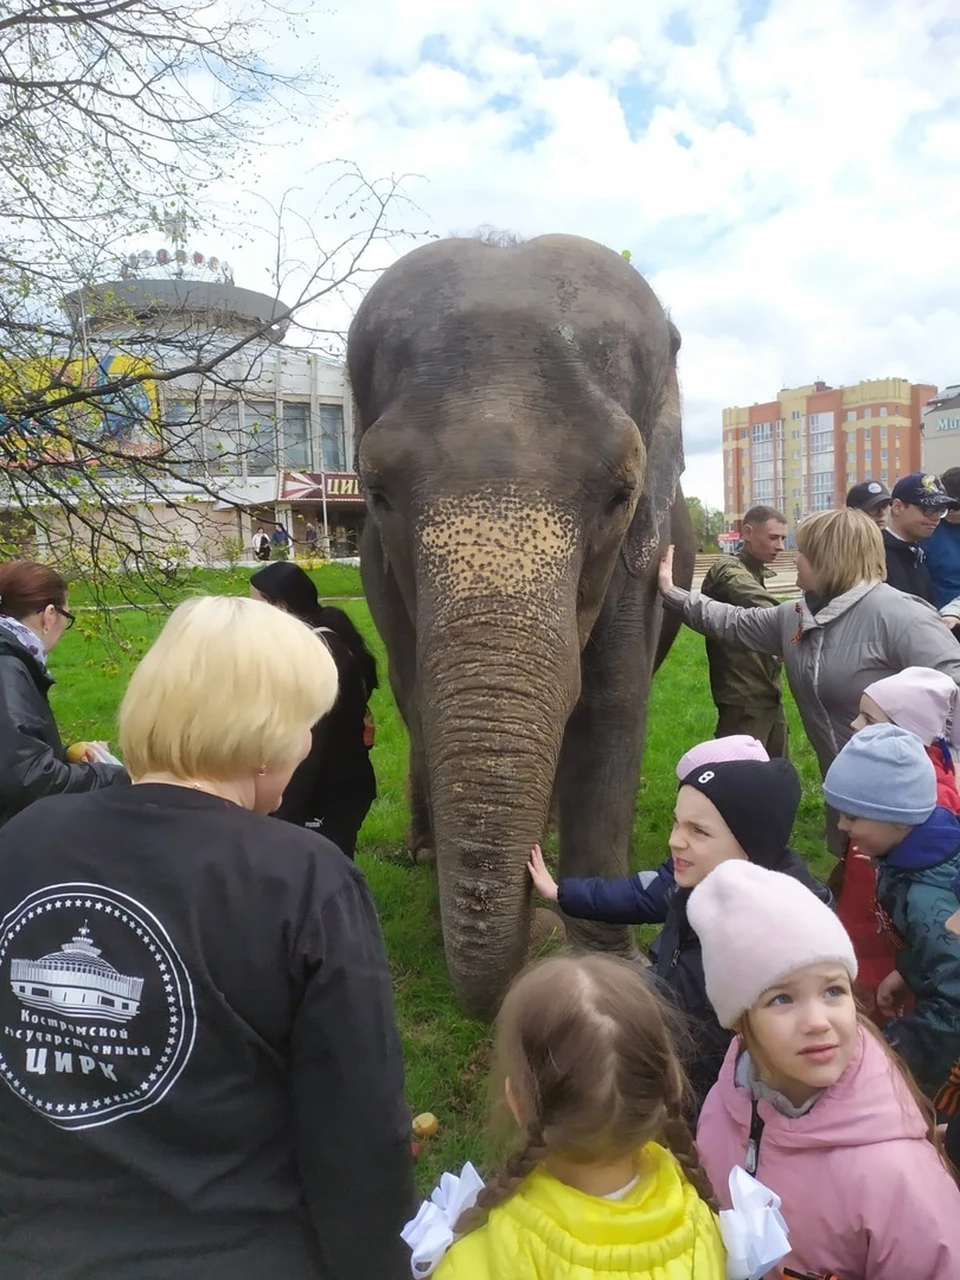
604	1182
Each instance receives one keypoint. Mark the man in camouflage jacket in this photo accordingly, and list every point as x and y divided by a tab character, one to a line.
746	686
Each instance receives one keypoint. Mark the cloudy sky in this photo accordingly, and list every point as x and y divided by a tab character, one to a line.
786	173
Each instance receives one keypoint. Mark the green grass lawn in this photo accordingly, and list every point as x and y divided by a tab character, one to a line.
446	1053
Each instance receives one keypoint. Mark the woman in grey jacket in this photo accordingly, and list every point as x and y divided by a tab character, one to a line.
848	630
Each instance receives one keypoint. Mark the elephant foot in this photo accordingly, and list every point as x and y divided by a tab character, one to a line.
547	932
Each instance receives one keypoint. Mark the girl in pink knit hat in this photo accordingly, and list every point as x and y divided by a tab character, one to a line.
924	702
810	1100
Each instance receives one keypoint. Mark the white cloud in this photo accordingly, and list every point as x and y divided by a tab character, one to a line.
788	181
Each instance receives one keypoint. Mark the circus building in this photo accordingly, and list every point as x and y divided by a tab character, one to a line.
264	439
77	982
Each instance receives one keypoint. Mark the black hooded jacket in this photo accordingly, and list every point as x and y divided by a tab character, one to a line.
32	761
337	779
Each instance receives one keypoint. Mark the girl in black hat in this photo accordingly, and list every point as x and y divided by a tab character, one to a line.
732	809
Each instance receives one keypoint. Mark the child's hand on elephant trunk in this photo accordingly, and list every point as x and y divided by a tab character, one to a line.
543	881
665	572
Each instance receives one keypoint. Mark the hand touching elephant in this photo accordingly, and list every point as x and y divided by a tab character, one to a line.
520	449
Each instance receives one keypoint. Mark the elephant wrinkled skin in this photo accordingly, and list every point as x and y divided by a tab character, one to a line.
519	446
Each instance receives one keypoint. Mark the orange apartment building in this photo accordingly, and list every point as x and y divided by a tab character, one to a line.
802	451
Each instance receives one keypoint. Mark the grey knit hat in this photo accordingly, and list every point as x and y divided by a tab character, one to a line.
883	773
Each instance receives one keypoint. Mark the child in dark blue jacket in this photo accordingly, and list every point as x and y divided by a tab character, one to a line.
725	809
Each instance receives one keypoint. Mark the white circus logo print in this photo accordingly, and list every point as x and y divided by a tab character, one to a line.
77	982
100	1024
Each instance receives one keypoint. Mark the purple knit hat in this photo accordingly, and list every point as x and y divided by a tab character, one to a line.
739	746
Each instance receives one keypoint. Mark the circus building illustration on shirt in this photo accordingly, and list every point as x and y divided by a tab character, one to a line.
77	982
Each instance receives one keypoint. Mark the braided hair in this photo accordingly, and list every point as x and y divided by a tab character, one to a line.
586	1057
518	1167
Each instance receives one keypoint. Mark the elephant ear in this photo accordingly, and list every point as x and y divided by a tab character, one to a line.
664	468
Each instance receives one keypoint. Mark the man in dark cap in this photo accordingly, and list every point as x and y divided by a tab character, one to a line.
919	502
873	499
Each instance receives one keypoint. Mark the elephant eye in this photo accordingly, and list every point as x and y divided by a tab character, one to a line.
379	500
620	498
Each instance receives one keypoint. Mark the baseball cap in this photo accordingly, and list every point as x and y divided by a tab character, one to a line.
924	490
868	495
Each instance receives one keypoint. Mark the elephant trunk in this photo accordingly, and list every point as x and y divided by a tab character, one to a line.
499	699
499	673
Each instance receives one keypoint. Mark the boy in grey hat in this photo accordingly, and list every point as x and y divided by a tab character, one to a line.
884	787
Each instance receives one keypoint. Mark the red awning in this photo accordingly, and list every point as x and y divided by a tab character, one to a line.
343	487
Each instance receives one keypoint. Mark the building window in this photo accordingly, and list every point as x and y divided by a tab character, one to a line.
260	429
851	477
868	412
183	436
331	437
296	436
224	445
867	455
795	415
883	411
851	415
883	455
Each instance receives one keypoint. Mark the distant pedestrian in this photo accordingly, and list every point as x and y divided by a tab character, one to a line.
261	544
873	499
310	538
746	686
919	503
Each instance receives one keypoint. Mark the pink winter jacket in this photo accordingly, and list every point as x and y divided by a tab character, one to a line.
864	1193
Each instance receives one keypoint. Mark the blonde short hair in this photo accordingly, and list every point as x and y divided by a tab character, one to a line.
228	687
843	547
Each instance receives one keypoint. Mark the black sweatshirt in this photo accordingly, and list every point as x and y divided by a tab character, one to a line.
906	567
197	1034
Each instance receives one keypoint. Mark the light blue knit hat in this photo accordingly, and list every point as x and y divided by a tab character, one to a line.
883	773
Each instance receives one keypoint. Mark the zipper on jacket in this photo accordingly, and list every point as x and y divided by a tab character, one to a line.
753	1144
675	959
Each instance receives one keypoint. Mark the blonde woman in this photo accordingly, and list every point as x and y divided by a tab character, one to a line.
847	631
196	1029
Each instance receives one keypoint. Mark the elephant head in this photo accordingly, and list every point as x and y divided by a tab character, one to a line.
519	447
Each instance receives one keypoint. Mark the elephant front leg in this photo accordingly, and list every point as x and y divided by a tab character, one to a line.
599	770
420	841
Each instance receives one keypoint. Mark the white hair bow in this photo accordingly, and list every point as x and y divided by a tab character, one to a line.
431	1233
754	1232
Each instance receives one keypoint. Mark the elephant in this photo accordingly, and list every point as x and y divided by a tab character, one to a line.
519	448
